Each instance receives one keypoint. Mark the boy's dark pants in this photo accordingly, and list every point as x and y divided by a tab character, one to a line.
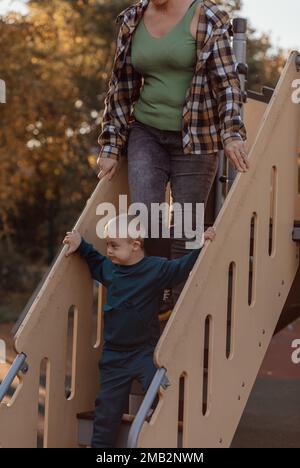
117	370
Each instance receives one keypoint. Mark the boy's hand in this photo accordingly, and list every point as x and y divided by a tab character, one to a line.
210	234
73	240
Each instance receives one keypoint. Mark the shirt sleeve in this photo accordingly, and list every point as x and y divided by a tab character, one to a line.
227	88
123	90
94	260
176	271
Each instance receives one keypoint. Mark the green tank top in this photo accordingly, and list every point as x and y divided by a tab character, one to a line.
167	65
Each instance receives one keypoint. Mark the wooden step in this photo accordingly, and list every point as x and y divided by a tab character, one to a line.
85	428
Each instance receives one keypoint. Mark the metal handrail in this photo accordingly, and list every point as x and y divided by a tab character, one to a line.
159	379
18	365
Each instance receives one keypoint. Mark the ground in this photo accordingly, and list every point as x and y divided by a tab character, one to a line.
272	416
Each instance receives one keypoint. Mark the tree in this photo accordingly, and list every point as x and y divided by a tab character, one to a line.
56	62
264	62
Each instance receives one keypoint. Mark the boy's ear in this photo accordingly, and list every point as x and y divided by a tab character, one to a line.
136	244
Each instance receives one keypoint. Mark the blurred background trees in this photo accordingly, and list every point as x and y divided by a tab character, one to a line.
56	62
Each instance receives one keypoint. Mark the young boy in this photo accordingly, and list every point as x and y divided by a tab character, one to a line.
135	283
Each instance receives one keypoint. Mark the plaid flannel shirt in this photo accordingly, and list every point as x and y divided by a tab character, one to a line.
213	103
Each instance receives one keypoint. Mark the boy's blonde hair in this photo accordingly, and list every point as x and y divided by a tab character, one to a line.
123	226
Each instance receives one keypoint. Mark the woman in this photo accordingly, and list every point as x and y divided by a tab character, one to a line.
174	101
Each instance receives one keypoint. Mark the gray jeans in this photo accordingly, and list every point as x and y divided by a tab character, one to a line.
156	157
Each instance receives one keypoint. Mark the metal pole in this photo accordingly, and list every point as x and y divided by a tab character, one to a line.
160	379
239	45
219	184
18	365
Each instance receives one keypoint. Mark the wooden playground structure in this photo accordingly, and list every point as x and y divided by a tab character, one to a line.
208	356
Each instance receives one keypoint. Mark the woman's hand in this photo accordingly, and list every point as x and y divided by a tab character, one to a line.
73	240
107	166
237	154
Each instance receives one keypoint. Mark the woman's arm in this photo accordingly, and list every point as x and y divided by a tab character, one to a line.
123	84
226	84
221	67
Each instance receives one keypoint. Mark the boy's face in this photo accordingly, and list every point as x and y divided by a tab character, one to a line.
120	251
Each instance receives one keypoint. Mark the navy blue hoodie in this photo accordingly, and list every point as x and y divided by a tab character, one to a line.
134	293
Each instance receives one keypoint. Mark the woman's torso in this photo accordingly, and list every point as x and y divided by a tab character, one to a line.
167	64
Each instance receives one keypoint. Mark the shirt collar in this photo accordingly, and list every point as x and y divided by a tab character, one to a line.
128	267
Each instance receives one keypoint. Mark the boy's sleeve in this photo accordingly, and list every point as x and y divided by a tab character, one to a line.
94	260
176	271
